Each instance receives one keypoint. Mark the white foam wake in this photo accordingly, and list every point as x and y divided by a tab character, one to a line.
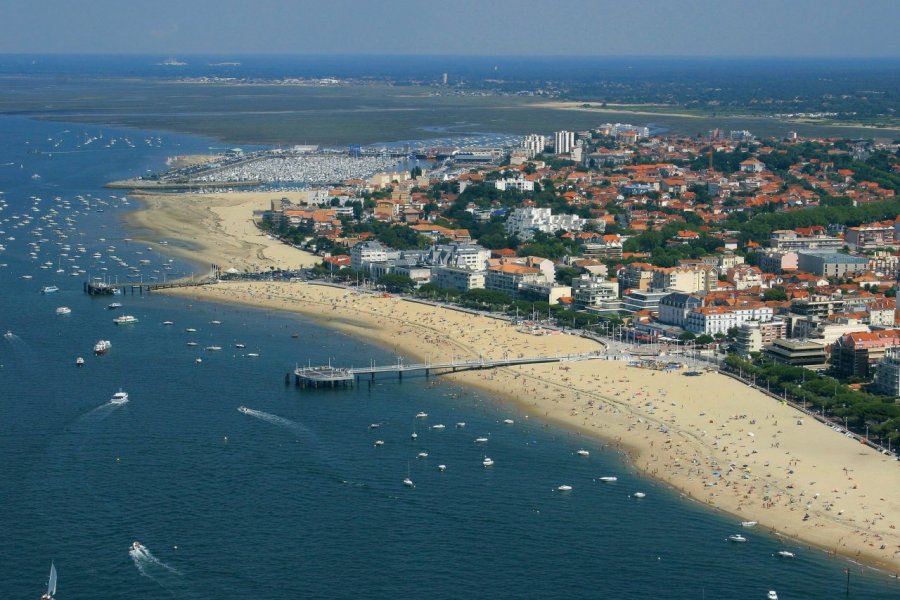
149	566
294	427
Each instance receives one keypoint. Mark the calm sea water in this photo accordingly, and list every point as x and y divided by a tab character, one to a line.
294	500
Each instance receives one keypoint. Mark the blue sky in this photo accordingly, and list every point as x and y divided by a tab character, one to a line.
791	28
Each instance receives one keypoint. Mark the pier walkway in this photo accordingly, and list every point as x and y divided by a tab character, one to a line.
107	289
329	376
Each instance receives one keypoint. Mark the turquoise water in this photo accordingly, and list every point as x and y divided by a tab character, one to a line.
295	500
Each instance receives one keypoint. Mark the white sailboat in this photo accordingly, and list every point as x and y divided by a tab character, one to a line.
51	584
408	482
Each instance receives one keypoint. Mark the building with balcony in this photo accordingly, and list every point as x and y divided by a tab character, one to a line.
887	373
524	222
454	278
871	236
797	353
855	354
714	319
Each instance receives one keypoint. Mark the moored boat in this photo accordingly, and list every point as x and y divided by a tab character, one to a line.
488	461
63	310
49	289
102	347
608	478
113	305
79	362
125	320
737	538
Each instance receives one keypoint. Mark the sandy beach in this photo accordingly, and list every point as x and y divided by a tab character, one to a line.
711	437
216	229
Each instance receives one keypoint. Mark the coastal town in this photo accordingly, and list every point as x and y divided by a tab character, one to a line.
765	255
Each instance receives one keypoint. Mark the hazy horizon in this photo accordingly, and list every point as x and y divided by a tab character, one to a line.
503	28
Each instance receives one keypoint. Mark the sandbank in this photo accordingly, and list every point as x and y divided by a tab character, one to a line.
216	228
711	437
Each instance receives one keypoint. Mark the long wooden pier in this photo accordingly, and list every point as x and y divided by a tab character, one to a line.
333	377
107	289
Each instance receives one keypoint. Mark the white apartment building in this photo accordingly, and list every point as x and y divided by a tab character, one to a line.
514	183
686	279
563	142
714	319
453	278
523	222
534	144
364	253
460	256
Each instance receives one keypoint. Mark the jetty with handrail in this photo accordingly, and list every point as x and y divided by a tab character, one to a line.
332	377
102	288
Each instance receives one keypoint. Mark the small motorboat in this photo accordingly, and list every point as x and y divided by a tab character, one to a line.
190	330
374	425
193	344
198	360
639	495
583	452
167	323
113	305
240	345
737	538
442	468
137	546
213	348
408	482
125	320
438	427
414	435
243	409
772	595
508	421
421	415
564	488
481	440
102	347
488	462
49	289
422	455
608	478
749	523
119	397
785	554
460	425
379	443
64	310
79	362
252	354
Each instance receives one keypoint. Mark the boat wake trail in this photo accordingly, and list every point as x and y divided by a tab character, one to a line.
300	430
151	567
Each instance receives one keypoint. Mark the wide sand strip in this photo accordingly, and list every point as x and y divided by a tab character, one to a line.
711	437
217	229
